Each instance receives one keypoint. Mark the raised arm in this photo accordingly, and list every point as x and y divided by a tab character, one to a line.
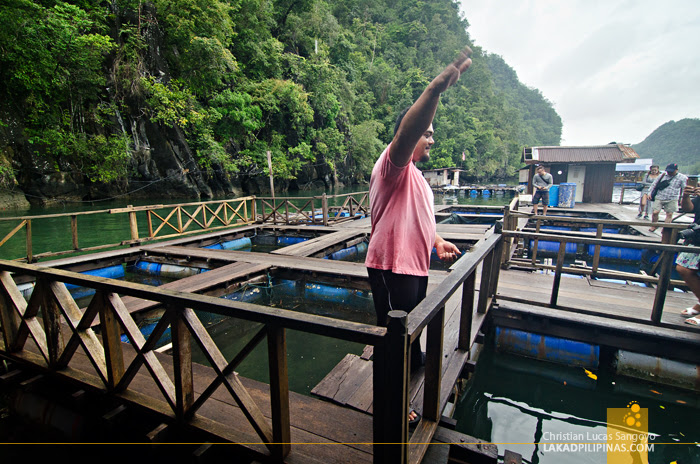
420	116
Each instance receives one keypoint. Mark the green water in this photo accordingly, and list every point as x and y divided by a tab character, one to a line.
526	405
54	234
310	357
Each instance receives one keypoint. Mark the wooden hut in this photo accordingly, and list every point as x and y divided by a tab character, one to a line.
591	168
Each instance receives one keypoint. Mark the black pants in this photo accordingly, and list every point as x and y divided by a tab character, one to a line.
398	292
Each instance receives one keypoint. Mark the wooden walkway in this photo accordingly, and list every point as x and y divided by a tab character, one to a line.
339	425
350	382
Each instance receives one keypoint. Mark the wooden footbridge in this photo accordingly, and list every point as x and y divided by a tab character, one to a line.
358	413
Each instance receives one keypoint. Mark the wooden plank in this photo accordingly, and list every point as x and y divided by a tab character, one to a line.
420	440
344	380
327	266
279	391
318	244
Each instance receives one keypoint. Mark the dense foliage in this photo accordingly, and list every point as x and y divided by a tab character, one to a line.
674	142
315	82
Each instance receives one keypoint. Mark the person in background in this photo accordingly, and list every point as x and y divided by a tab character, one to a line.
644	201
403	219
542	181
687	263
666	192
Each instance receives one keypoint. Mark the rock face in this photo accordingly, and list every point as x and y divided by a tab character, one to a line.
162	163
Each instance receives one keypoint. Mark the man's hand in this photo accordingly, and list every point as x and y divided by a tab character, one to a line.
446	251
689	190
451	73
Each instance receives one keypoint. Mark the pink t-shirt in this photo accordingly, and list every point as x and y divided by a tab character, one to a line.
403	218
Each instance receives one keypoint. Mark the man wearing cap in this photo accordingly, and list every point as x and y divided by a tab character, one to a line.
666	193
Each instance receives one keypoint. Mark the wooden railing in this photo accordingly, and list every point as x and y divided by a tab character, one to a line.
664	264
52	319
163	221
313	210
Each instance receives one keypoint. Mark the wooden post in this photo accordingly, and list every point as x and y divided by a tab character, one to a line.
496	266
508	241
254	210
467	314
30	256
182	363
51	317
324	207
10	298
534	245
433	367
179	219
666	260
269	167
390	389
279	391
150	224
596	255
557	274
111	340
485	285
74	231
133	224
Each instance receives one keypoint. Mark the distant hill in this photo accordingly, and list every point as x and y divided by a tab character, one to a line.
674	142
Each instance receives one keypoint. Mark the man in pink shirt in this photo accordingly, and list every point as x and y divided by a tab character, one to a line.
403	219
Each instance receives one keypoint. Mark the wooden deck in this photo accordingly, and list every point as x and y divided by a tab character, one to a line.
339	425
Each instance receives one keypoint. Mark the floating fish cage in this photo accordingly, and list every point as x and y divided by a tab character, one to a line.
586	252
575	353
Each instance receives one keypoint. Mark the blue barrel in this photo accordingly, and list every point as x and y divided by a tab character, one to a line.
553	247
606	230
111	272
567	195
623	254
553	195
168	270
547	348
238	244
290	240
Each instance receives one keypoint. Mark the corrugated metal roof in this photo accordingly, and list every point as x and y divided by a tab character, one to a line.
617	153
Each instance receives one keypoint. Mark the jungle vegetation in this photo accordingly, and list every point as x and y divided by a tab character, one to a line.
674	142
316	82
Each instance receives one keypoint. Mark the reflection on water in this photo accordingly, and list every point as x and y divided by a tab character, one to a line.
525	405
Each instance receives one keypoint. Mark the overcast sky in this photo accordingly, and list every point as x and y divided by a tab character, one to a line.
615	70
